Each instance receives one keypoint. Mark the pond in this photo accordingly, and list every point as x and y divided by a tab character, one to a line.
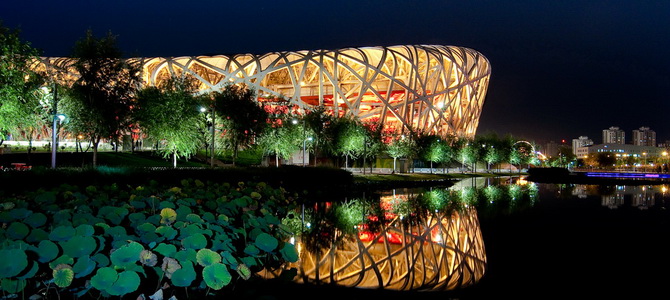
485	238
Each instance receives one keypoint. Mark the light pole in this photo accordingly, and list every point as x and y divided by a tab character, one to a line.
304	141
54	128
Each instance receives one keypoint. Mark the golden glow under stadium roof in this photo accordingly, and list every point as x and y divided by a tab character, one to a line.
426	88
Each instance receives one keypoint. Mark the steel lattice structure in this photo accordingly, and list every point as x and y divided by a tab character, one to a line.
424	88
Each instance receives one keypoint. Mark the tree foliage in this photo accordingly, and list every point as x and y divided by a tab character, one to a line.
243	120
101	98
170	114
20	99
281	138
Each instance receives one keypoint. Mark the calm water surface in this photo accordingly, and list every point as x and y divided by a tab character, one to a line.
559	241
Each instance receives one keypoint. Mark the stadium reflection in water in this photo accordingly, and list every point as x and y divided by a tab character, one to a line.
402	239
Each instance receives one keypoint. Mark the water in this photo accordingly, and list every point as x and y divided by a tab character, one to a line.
539	241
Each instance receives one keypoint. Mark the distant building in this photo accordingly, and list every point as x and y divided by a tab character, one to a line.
582	141
614	135
645	152
644	137
551	149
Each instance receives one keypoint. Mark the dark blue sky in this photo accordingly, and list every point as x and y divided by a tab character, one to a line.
561	69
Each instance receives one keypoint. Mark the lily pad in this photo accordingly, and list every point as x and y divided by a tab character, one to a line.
47	251
17	231
79	246
62	233
104	278
63	276
36	220
12	286
168	216
148	258
216	276
126	255
127	282
83	267
167	250
169	266
184	277
207	257
289	253
266	242
12	262
196	241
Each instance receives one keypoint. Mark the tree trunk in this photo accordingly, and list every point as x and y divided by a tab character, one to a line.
174	159
96	142
393	172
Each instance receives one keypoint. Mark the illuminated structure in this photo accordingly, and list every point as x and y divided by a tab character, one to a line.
418	250
425	88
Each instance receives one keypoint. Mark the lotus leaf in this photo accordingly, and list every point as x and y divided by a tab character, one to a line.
101	243
17	231
62	233
12	286
216	276
182	212
31	272
166	204
167	250
137	218
251	250
190	230
126	255
166	231
184	276
79	246
255	195
206	257
138	204
146	227
85	230
158	295
289	253
148	258
116	232
104	278
186	255
61	260
36	220
266	242
47	251
84	266
5	217
45	197
150	237
209	217
271	219
243	271
196	241
101	259
63	275
168	216
249	261
91	189
193	218
169	266
12	262
229	258
127	282
154	219
62	217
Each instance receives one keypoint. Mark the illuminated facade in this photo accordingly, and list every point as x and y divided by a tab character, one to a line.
426	88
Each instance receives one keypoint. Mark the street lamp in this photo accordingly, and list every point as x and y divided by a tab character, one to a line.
304	141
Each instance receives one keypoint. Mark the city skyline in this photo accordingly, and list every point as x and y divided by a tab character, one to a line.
559	70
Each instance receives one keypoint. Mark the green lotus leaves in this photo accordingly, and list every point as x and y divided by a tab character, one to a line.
101	259
79	246
83	267
186	255
266	242
150	237
229	258
167	250
20	213
127	282
126	255
243	271
5	217
12	286
209	217
45	197
62	233
104	278
196	241
36	220
85	230
216	276
255	195
47	251
63	275
116	232
146	227
12	262
167	232
193	218
184	277
249	261
206	257
166	204
289	252
251	250
61	260
168	216
17	231
148	258
34	267
169	266
189	230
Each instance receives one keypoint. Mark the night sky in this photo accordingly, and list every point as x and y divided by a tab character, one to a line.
560	69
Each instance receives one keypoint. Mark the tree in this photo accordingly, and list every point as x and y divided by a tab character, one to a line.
159	107
466	152
317	122
373	141
281	138
350	136
242	118
402	146
19	84
101	98
433	149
